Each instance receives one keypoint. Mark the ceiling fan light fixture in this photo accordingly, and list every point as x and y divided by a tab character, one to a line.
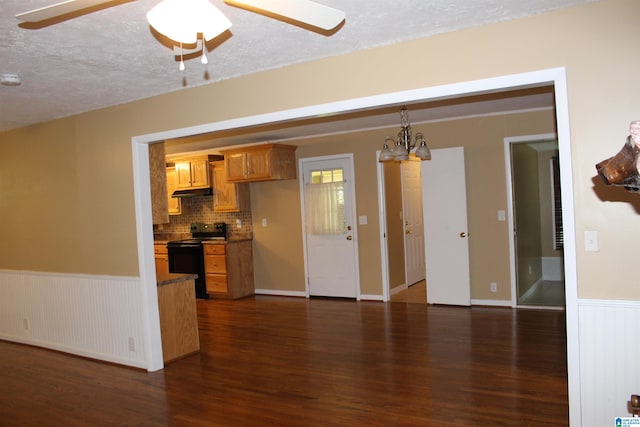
183	20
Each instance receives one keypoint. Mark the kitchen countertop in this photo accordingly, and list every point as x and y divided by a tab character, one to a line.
168	278
232	239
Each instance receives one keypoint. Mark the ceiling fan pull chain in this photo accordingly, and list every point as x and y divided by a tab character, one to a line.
204	59
181	59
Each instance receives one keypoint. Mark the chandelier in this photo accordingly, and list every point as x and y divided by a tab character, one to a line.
403	145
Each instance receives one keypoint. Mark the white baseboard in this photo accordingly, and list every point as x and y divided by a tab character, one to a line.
370	298
276	292
492	302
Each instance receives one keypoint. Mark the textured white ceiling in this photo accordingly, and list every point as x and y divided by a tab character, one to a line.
111	56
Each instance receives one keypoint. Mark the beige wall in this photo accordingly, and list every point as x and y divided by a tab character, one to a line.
66	186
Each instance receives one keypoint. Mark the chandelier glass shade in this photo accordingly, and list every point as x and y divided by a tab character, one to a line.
399	149
183	20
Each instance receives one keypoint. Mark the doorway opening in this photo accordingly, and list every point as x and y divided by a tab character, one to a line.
554	76
537	246
402	190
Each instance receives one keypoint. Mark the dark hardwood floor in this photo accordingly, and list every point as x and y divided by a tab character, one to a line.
319	362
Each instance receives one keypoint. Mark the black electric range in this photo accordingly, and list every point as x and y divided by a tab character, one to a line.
187	256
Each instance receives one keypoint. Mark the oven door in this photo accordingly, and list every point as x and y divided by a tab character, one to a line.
188	258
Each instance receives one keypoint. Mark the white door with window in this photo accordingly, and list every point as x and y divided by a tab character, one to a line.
330	238
444	198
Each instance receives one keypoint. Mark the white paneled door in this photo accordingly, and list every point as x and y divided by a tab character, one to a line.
444	198
328	209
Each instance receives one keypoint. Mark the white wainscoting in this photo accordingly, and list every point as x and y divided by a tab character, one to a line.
609	359
90	316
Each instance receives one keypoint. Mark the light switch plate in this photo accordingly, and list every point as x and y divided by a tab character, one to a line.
591	241
501	215
362	220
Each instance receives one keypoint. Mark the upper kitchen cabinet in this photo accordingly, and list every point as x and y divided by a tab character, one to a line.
193	172
260	163
175	204
228	196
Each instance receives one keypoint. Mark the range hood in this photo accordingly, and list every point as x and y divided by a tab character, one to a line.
196	192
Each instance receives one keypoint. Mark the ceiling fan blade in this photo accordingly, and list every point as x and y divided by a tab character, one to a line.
305	11
58	9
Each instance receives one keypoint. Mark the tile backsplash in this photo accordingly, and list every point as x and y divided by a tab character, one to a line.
200	209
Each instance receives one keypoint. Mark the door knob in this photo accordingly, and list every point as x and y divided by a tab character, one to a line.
349	237
463	234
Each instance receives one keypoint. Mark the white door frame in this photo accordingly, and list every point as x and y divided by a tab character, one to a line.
507	163
553	76
382	218
349	177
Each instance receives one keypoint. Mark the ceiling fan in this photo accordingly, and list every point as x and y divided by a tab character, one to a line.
306	12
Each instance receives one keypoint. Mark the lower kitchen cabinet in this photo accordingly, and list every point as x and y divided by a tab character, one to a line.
161	255
229	269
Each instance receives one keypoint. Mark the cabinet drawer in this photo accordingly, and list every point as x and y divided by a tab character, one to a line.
216	283
160	249
214	249
215	264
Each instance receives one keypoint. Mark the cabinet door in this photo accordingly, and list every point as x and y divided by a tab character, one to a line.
175	206
183	175
259	164
224	199
236	166
199	173
162	264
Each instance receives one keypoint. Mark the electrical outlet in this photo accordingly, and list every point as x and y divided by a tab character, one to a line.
238	223
132	344
25	324
494	287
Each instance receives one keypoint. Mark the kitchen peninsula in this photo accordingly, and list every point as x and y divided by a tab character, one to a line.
178	315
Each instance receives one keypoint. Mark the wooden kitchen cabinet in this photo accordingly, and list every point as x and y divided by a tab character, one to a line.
161	255
193	172
229	269
228	196
174	203
260	163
